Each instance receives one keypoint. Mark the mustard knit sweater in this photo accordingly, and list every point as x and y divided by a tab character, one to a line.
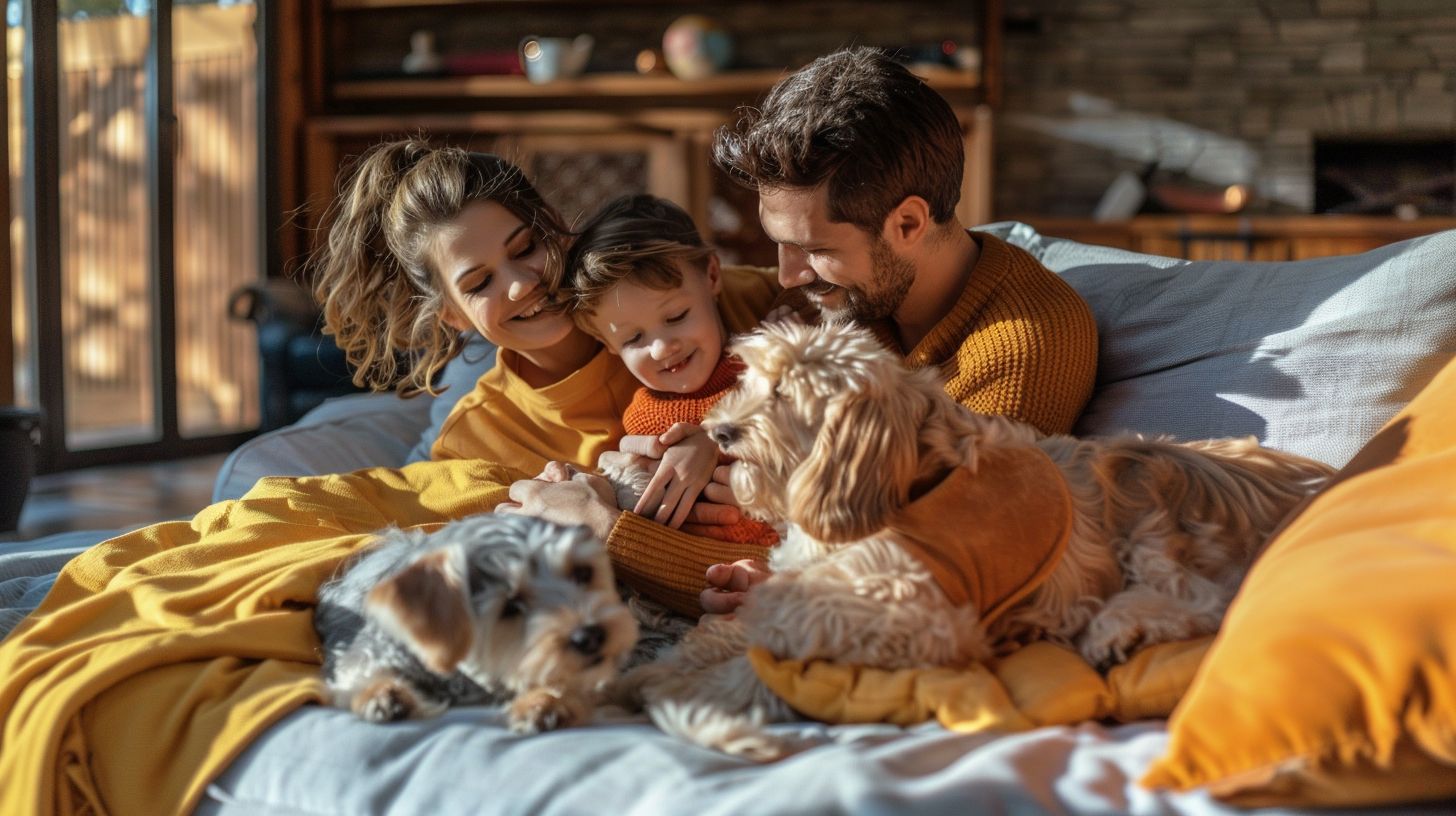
1019	342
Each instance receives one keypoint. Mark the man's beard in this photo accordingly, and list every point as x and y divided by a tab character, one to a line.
890	279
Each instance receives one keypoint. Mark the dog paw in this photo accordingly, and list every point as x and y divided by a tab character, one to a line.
1106	644
541	710
385	701
758	746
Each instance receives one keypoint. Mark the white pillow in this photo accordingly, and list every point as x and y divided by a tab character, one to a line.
1309	356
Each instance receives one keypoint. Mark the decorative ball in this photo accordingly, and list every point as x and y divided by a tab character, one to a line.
696	47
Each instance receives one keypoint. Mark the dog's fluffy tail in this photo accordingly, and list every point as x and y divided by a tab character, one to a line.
1241	486
724	708
1269	480
740	735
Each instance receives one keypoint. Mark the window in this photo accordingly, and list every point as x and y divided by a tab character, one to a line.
136	209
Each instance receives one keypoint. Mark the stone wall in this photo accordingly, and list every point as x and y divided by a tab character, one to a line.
1219	91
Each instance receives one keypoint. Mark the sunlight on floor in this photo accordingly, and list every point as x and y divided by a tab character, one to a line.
117	496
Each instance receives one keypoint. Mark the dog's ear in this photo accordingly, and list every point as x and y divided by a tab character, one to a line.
861	467
427	607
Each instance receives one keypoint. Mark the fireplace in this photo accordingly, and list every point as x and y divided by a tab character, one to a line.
1386	175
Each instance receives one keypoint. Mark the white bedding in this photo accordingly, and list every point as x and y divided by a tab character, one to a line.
323	761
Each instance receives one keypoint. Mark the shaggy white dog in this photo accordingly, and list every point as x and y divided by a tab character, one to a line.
833	434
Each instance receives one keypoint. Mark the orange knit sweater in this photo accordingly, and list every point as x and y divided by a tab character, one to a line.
652	412
1019	342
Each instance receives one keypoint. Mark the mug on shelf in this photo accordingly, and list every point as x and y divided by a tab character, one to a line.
545	59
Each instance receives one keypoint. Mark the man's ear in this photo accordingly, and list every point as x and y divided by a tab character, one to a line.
908	223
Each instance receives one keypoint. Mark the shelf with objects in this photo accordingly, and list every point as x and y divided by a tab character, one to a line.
661	88
598	99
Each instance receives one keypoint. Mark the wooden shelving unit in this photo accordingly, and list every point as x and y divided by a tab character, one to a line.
663	123
624	87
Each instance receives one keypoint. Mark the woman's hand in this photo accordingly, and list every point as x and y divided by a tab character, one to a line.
578	498
687	467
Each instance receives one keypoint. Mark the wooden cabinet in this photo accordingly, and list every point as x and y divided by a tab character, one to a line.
586	139
1242	238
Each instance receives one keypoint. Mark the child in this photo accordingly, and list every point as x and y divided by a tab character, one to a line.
644	283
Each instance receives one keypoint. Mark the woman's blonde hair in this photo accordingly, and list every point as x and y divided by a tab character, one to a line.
374	277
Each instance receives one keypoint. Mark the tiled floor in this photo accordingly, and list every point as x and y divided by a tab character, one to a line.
117	496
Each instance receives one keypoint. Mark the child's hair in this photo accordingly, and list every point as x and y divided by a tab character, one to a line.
640	238
374	277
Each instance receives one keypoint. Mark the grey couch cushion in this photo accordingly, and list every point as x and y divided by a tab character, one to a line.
341	435
1310	356
353	432
457	380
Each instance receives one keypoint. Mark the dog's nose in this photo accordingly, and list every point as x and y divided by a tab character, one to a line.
723	435
588	639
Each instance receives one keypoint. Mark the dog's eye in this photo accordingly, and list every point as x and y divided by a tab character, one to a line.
514	607
583	573
475	582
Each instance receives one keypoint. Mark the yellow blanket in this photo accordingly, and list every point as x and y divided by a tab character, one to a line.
159	655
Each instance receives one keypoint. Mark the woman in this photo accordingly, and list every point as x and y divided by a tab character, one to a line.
160	654
426	243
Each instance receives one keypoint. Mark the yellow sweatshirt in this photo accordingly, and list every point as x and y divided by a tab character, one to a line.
505	420
1019	342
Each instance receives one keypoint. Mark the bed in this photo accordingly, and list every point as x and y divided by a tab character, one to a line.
1312	357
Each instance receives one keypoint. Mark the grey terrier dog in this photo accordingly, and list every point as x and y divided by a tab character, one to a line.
488	609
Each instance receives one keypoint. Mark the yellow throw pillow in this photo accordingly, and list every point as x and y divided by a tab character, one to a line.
1333	680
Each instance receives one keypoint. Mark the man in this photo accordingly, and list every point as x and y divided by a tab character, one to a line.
858	166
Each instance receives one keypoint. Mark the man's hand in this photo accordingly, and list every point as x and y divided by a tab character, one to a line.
728	584
716	507
584	498
687	467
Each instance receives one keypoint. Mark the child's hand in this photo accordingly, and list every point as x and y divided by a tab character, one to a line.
651	447
687	467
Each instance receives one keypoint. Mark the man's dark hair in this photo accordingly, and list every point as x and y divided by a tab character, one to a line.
859	123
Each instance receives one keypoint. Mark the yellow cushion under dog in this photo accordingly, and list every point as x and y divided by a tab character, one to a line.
1333	681
1041	684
